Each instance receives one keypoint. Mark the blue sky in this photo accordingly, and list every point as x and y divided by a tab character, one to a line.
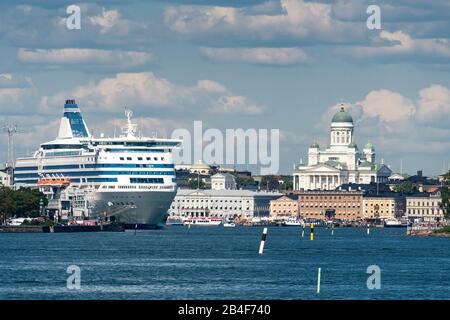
284	64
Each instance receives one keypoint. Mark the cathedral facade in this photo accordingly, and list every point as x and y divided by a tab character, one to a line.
342	162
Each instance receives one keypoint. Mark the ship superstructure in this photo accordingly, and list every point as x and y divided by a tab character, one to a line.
130	178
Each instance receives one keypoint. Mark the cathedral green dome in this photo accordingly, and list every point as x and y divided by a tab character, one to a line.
314	145
342	116
353	145
368	145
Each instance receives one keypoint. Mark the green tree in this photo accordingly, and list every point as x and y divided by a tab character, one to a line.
270	183
197	183
27	202
244	182
405	187
21	203
7	204
288	183
445	196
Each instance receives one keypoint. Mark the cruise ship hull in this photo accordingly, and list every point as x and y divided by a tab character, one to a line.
135	209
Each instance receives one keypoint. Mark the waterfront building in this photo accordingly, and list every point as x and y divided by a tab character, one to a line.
5	177
347	205
368	189
384	206
342	162
284	207
223	181
424	207
420	182
244	204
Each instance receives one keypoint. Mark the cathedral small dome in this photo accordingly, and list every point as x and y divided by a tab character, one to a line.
314	145
342	116
353	145
200	166
368	146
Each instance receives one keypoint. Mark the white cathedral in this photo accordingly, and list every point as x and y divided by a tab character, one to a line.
341	162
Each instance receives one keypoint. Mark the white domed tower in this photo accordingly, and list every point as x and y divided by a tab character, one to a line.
341	134
369	152
313	154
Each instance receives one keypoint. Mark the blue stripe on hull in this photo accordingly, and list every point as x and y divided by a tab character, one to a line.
99	165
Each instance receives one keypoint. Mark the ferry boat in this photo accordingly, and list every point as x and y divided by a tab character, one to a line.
291	222
203	221
394	223
174	221
130	178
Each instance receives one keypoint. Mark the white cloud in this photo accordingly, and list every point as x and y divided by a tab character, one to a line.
433	107
8	80
387	106
399	125
79	56
45	26
211	86
298	21
235	105
144	90
110	20
17	94
268	56
401	45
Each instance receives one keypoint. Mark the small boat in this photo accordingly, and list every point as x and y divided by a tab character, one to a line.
203	221
293	223
394	223
174	221
229	225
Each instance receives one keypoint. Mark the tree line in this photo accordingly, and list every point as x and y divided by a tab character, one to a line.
20	203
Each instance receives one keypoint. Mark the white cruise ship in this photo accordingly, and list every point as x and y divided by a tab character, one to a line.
131	178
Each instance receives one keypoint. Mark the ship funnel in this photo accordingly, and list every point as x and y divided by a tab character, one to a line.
72	124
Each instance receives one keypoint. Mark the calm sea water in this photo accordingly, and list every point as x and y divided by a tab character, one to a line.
223	263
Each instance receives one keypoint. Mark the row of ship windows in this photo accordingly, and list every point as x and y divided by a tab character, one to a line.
97	173
96	165
146	180
141	158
